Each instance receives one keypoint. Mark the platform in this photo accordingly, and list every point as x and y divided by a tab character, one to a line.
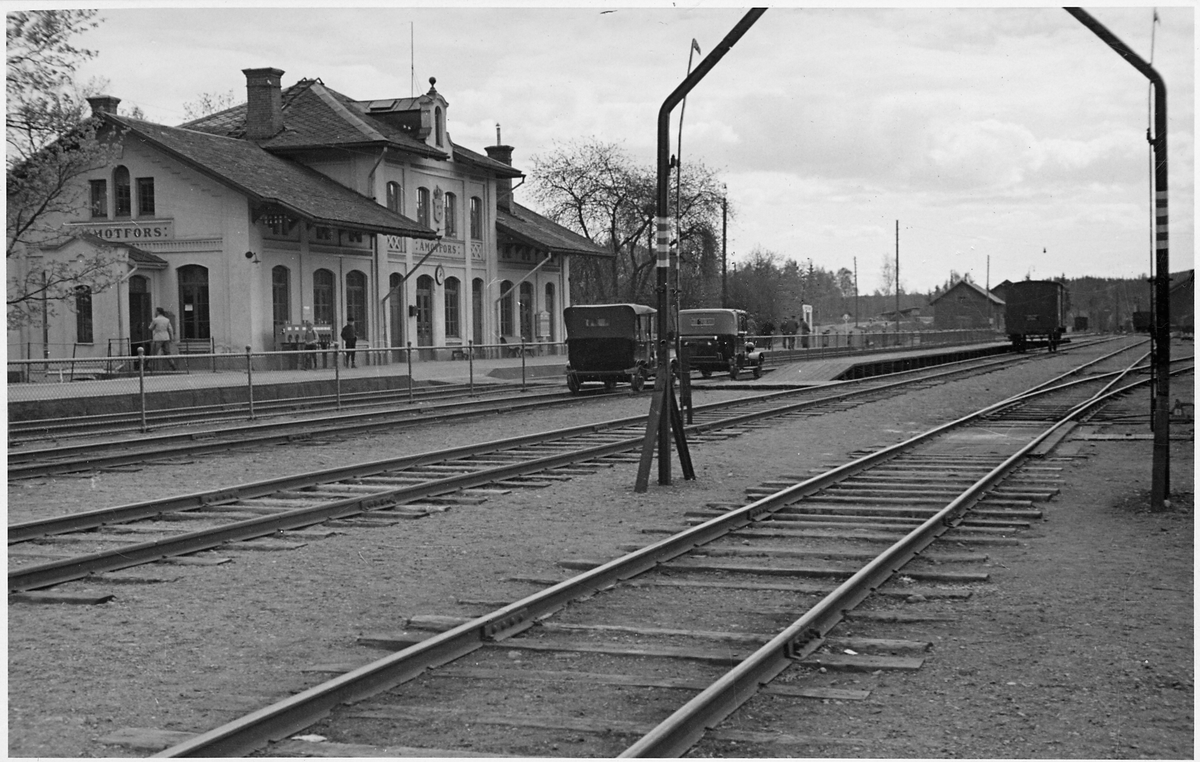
199	386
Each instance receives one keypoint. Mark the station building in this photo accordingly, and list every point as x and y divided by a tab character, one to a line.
305	205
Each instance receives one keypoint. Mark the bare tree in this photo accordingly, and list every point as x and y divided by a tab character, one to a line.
208	103
52	143
594	188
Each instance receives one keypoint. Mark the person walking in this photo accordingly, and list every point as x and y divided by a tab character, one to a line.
161	335
349	341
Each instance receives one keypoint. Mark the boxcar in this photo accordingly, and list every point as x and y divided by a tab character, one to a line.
610	344
1035	310
715	341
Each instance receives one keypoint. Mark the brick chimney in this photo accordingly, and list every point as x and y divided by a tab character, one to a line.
502	154
264	106
103	104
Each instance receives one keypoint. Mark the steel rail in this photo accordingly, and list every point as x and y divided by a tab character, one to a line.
26	531
54	573
43	428
680	732
246	734
81	457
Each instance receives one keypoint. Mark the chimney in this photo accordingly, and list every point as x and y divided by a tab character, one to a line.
502	154
264	106
103	104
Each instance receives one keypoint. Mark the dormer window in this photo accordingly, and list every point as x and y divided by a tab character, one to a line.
439	125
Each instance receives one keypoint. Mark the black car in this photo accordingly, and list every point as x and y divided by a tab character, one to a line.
715	341
610	344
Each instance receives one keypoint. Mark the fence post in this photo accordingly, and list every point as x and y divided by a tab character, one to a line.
337	380
408	359
142	385
522	363
250	381
471	366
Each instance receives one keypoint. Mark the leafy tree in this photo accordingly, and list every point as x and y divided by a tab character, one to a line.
52	142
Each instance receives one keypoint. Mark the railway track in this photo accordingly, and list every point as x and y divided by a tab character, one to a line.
24	463
756	606
106	540
21	433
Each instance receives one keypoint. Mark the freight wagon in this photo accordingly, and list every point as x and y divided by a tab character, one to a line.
1035	311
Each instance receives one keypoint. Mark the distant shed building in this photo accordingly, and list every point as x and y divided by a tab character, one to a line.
965	305
1182	295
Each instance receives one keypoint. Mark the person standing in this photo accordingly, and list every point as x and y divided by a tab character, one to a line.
349	341
161	335
310	345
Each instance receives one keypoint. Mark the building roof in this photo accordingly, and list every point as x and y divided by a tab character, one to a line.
140	257
528	227
966	284
316	116
273	183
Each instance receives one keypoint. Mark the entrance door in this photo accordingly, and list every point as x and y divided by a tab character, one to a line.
424	311
139	314
396	315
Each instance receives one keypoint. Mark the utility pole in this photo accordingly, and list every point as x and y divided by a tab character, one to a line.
724	254
897	282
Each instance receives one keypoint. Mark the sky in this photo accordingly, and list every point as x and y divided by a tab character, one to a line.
1003	142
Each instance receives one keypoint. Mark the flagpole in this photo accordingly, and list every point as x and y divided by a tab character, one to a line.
679	138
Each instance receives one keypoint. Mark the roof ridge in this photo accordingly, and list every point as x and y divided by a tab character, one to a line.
328	97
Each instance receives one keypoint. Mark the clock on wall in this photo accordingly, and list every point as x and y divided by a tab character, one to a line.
439	275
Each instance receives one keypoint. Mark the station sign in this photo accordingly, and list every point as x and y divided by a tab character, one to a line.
129	231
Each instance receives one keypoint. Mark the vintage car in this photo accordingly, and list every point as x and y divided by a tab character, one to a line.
610	344
715	340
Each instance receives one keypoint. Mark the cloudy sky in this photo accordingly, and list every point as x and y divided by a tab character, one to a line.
1007	142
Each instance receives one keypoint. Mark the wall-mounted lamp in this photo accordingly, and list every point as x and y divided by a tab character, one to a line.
253	257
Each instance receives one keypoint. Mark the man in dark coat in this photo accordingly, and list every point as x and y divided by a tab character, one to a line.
349	340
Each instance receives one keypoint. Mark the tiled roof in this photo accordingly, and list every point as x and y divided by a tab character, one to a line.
485	162
140	256
316	116
529	227
271	180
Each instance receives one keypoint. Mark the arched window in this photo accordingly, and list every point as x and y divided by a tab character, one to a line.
281	297
550	310
122	195
527	311
451	215
356	301
452	308
423	206
83	314
323	294
477	310
506	309
476	218
193	301
394	196
439	124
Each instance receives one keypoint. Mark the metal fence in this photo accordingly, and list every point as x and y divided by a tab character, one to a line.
174	375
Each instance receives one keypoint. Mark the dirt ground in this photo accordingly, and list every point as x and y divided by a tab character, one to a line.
1081	647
